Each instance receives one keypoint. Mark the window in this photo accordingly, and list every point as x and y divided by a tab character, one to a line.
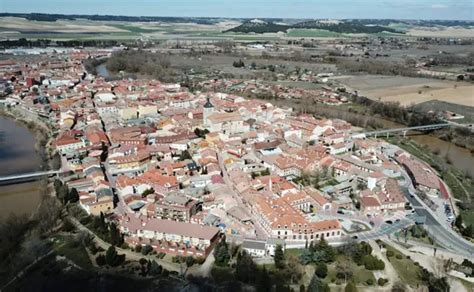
333	233
327	234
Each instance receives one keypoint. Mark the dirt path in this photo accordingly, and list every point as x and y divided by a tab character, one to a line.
128	253
389	272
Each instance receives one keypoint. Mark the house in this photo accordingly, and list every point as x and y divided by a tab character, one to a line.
176	207
226	123
261	248
94	204
168	236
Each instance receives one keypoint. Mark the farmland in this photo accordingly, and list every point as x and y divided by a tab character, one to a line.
410	90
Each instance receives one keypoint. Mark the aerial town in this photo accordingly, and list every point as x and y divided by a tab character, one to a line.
180	171
236	152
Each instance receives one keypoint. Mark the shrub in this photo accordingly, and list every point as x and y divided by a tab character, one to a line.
189	261
369	282
138	248
68	226
200	260
390	253
147	249
373	263
399	256
143	261
322	270
100	260
382	281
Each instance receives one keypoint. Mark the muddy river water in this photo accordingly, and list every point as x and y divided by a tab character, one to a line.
17	155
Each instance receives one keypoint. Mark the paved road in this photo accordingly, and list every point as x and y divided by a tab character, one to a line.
436	227
260	232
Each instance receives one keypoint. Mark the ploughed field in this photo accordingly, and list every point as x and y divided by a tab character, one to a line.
411	90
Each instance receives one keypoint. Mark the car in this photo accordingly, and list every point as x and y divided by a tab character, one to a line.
355	237
389	221
398	220
340	212
372	223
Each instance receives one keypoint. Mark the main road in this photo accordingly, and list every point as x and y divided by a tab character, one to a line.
435	226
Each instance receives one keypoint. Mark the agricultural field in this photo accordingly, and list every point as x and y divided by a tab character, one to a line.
411	90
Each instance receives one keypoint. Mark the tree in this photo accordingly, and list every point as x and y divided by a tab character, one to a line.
245	268
154	269
350	287
189	261
264	282
316	285
459	222
115	236
100	260
112	258
321	270
293	269
279	257
185	155
73	196
146	249
221	253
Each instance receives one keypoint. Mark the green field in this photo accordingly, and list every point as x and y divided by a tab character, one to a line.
313	33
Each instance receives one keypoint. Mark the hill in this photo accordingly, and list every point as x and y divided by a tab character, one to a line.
260	26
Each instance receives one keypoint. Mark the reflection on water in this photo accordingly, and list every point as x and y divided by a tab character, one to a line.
17	155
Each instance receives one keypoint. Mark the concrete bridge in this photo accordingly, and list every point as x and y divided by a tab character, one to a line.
402	130
24	177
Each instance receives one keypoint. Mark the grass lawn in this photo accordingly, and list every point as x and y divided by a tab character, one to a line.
468	217
65	247
293	251
406	268
359	274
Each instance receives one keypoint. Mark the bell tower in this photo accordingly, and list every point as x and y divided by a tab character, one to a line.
207	111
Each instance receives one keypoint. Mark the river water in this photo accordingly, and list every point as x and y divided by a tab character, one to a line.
17	155
460	157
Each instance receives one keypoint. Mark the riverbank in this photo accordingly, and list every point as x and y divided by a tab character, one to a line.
21	156
460	184
43	137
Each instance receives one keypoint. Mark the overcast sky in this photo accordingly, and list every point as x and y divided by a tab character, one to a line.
401	9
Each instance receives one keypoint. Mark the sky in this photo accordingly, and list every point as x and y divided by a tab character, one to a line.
336	9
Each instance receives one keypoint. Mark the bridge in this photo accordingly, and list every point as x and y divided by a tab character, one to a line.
26	176
403	130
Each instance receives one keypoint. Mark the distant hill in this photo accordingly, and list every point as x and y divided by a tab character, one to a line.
260	26
344	27
55	17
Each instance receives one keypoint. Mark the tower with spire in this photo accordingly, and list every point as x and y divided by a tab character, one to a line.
207	111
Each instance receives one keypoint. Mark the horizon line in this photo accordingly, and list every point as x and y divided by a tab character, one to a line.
223	17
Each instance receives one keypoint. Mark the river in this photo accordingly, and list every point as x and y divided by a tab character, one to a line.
102	71
460	157
18	155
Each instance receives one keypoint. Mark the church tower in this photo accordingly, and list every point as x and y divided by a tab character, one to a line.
207	111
